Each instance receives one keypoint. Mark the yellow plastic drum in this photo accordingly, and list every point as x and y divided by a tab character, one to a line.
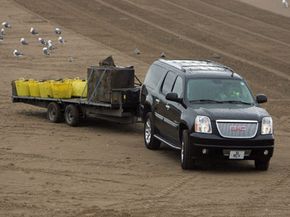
22	87
34	88
61	90
45	89
79	88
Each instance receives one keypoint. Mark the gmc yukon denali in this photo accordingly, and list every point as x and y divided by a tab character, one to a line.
207	111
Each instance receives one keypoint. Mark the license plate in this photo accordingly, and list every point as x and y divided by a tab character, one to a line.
237	154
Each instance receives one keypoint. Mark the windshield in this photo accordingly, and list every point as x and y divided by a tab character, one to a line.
218	90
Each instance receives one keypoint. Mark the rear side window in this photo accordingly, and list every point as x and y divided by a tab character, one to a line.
154	75
168	82
178	87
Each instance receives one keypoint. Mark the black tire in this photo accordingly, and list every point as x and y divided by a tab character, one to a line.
262	165
72	115
186	152
54	113
149	140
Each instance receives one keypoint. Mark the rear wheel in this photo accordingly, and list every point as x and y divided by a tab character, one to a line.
262	165
54	113
72	115
150	141
186	152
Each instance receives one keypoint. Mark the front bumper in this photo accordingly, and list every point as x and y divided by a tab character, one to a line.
216	147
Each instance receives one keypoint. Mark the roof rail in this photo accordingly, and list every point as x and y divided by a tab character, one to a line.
193	65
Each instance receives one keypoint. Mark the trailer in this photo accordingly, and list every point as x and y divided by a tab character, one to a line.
120	105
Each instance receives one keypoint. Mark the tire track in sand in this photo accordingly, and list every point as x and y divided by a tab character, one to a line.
193	41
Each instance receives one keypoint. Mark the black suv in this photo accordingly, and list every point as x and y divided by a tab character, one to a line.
206	110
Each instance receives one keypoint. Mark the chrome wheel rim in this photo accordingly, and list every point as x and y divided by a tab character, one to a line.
182	151
148	131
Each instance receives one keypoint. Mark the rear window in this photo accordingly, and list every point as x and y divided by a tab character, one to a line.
154	75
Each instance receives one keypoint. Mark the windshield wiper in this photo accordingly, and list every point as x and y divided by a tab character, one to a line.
205	101
237	102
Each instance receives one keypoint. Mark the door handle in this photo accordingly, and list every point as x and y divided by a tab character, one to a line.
157	100
167	107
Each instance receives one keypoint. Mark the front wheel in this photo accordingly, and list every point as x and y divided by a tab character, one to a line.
150	141
262	165
72	115
186	152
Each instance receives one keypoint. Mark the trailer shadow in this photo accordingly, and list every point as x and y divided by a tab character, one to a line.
111	126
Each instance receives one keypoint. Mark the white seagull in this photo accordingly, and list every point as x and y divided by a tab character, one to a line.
60	40
162	55
17	53
45	51
33	31
137	51
23	41
2	32
50	46
6	24
285	3
42	41
57	31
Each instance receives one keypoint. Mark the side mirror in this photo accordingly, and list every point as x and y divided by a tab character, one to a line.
261	98
173	97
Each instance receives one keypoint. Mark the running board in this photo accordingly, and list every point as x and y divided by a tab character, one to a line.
167	143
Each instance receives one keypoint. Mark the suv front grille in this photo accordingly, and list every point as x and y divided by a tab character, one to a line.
237	128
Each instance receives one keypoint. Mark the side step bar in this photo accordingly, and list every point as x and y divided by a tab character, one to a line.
167	143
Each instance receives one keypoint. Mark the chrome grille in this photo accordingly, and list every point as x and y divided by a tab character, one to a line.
237	128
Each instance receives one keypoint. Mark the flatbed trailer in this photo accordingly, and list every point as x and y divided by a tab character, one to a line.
123	109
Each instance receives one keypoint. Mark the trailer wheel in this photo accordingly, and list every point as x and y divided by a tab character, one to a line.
72	115
54	113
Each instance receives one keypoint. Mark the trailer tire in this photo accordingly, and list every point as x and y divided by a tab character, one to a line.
54	113
72	115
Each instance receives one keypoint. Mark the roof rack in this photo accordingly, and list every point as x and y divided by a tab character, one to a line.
197	65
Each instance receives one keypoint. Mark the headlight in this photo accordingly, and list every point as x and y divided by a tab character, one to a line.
267	126
202	124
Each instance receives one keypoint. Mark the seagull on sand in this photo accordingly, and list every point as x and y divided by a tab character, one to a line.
60	40
285	3
45	51
50	45
42	41
23	41
137	51
57	31
162	55
33	31
6	24
17	53
2	32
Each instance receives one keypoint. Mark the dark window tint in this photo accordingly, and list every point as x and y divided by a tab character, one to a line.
168	82
219	90
178	86
154	75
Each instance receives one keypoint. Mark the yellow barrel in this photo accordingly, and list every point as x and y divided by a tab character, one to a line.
45	89
79	88
34	88
61	90
22	87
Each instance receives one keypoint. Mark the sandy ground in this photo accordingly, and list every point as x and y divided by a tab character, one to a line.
103	169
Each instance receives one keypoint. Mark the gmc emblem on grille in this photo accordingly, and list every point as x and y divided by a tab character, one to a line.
238	128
